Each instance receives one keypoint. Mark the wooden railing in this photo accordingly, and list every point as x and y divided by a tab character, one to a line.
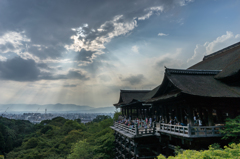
191	131
136	131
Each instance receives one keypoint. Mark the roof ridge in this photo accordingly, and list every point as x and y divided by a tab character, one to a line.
133	90
192	71
222	50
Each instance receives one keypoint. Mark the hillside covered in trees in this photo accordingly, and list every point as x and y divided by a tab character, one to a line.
61	138
58	138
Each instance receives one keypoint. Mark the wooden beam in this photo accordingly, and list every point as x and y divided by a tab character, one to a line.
190	116
210	117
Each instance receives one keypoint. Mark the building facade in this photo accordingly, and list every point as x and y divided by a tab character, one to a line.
188	109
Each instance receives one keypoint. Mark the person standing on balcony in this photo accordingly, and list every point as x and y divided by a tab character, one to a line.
150	122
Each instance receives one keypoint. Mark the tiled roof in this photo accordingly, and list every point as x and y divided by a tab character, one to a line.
192	71
220	59
127	96
202	85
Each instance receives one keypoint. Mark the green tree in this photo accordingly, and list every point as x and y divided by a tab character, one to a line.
31	143
232	129
82	150
116	115
2	143
72	125
46	128
232	151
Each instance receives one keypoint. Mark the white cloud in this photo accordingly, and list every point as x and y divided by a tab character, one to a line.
170	60
2	58
13	42
210	47
135	49
237	36
162	34
103	35
150	12
184	2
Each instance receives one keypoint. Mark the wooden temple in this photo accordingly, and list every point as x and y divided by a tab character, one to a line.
197	99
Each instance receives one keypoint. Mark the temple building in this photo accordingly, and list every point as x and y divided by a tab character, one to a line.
187	109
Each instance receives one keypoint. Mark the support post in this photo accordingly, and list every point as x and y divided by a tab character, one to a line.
136	129
189	130
190	116
181	115
131	113
167	115
210	117
219	115
137	111
154	127
136	150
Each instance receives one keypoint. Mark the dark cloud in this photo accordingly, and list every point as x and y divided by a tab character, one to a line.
44	66
70	85
7	46
44	52
48	23
76	74
134	79
18	69
84	55
72	74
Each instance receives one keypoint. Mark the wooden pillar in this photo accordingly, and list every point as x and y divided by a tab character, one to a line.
160	113
167	115
205	117
200	113
131	113
210	117
122	111
125	109
127	112
129	147
219	115
137	111
190	116
125	144
147	112
135	149
181	115
177	111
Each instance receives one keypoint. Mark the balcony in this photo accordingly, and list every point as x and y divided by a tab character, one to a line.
168	129
191	131
133	132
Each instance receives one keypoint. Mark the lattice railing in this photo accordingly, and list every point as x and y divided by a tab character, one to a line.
135	130
191	131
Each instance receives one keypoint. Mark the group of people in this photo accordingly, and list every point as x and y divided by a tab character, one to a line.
142	123
197	121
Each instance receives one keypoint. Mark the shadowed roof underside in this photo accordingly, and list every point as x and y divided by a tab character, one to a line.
127	96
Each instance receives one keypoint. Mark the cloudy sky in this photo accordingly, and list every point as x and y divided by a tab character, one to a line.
83	51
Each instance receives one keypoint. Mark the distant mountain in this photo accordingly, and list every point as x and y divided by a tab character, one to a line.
53	108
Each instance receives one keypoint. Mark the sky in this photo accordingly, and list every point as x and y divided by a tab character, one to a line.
84	51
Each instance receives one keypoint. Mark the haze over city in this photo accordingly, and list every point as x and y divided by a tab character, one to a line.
84	52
